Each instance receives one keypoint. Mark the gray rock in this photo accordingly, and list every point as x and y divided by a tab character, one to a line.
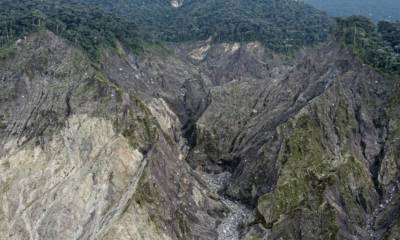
203	141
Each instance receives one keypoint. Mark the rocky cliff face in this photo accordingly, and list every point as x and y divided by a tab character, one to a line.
197	140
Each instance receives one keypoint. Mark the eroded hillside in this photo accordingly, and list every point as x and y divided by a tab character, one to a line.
199	140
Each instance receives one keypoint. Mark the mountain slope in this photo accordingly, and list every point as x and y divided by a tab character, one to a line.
377	46
258	149
84	25
267	21
199	139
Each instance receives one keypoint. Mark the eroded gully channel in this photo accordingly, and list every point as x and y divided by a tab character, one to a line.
387	199
380	209
237	213
228	229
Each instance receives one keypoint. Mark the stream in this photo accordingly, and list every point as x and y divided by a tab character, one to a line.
238	213
381	208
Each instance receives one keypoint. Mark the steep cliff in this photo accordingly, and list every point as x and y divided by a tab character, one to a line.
196	140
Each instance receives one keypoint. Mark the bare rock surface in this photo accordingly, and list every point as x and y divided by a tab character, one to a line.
199	140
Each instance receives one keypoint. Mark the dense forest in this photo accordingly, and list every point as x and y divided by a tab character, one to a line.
281	24
84	25
374	9
377	45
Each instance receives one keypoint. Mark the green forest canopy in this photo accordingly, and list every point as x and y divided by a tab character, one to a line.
84	25
281	24
377	45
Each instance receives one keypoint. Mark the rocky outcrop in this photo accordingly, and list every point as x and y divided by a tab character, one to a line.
86	155
70	164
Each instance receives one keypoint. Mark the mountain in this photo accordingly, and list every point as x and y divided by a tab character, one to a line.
376	9
111	130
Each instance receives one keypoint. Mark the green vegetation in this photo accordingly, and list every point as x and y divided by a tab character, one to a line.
377	46
7	50
308	171
149	195
281	24
390	33
305	172
86	26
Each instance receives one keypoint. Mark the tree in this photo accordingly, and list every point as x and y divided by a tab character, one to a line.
39	16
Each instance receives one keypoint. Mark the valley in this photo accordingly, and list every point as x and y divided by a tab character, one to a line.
106	135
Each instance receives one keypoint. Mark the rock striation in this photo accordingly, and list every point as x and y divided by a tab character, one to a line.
198	140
